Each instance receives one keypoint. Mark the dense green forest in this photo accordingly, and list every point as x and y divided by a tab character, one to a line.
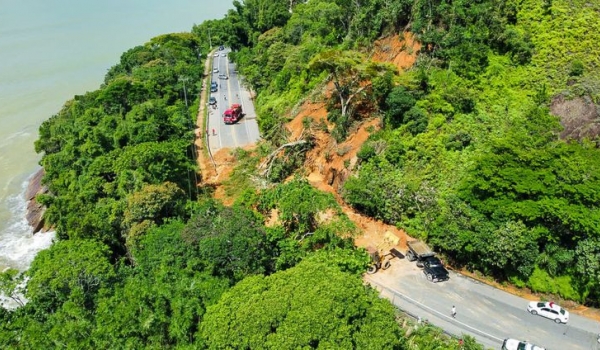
468	157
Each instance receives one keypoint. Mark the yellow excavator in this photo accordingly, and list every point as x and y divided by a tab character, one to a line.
378	260
383	253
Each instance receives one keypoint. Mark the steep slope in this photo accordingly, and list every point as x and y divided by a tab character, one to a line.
329	163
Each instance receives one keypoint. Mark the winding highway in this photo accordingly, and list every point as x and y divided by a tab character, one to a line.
486	313
231	90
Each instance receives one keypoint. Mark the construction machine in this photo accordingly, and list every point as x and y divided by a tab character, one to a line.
383	253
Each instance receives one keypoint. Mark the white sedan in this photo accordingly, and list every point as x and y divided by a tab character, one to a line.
549	310
513	344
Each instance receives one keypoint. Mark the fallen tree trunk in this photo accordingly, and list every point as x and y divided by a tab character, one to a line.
271	157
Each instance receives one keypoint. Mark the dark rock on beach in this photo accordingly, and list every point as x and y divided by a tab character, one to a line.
35	211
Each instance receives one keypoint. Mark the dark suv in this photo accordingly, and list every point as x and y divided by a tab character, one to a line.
434	269
214	86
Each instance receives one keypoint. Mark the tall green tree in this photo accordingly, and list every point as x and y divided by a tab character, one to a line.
261	15
350	73
298	204
312	305
307	22
152	205
163	296
71	270
231	241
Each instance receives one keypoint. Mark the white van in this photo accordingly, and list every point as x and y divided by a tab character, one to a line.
514	344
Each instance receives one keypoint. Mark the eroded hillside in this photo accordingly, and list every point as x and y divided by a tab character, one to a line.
329	163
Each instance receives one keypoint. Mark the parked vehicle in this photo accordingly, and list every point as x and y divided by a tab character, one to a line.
212	100
216	70
233	114
216	54
418	250
549	310
214	87
433	268
513	344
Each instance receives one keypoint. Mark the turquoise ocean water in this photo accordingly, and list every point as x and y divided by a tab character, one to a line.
49	52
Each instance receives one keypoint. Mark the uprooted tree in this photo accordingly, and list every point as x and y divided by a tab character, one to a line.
351	73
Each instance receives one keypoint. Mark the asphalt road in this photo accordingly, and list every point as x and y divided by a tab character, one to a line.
245	131
488	314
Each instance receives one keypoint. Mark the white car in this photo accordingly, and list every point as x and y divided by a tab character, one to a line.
216	54
216	70
549	310
513	344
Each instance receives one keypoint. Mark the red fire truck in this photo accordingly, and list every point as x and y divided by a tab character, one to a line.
233	114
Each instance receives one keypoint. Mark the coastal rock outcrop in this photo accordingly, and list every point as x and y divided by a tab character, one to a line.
35	210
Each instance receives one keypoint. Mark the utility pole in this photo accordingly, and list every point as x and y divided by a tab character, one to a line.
183	80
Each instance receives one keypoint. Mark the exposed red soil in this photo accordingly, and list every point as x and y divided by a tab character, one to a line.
225	162
328	164
400	50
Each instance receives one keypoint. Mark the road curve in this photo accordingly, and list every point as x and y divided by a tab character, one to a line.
486	313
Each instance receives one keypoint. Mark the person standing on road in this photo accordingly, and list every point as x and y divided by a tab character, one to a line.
453	311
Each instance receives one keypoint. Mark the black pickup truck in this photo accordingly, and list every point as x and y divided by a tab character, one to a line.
433	268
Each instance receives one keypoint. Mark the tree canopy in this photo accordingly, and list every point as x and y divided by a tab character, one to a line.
312	305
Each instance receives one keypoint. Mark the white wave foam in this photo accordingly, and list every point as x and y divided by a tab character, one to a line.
18	244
